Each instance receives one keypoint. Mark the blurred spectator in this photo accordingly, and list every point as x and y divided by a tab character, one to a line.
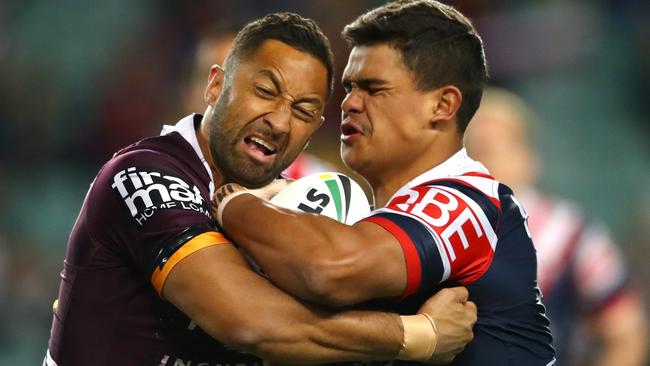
580	271
212	48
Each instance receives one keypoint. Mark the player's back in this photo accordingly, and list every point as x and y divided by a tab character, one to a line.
108	312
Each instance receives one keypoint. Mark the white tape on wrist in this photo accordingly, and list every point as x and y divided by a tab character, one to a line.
222	204
420	338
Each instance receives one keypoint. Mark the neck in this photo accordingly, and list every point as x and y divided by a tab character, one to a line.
386	183
203	135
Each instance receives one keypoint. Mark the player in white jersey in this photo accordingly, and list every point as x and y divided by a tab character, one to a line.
580	270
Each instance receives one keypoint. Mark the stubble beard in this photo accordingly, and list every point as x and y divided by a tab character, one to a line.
232	166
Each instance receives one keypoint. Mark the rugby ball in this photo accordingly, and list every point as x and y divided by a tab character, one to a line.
334	195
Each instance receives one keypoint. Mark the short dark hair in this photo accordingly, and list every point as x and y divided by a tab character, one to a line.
292	29
439	46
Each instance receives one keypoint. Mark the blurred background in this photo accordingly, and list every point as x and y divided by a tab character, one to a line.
81	79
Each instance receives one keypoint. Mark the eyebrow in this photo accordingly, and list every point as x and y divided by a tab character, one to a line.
274	79
364	83
276	82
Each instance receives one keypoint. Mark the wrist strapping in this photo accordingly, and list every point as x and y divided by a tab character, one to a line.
222	205
420	338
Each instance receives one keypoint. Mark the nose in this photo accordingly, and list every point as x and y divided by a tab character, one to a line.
279	119
352	103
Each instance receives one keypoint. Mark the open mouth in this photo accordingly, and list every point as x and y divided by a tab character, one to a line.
261	145
349	129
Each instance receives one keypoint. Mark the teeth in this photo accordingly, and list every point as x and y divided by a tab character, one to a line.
263	143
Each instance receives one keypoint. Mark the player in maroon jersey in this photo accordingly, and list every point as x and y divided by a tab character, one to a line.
581	272
149	280
212	48
414	79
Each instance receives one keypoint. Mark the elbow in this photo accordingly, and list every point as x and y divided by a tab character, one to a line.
249	337
330	283
243	336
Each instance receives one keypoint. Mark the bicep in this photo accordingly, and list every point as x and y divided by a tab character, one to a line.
369	264
216	288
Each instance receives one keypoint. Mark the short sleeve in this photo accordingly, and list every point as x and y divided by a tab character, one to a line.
447	231
152	209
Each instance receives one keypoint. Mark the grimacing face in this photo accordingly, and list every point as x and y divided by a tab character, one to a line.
384	115
266	113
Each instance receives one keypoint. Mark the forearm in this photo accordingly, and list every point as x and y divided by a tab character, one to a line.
237	307
291	253
341	337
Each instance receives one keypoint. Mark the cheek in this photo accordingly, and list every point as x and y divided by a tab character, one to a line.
244	105
387	124
301	132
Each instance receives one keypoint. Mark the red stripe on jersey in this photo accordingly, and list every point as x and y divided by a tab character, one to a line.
477	174
494	200
620	297
413	265
567	253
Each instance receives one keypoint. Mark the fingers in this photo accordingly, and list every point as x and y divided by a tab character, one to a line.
454	316
459	294
223	191
264	193
472	306
274	187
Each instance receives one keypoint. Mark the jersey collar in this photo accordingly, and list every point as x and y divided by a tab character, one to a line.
458	164
186	127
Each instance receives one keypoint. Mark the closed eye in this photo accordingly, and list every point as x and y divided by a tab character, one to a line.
264	92
375	91
371	86
305	114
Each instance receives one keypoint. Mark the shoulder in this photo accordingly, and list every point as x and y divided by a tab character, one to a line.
449	224
154	174
440	202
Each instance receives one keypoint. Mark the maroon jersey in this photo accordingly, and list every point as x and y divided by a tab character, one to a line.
148	208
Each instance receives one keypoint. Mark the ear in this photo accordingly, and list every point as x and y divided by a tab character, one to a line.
449	100
215	81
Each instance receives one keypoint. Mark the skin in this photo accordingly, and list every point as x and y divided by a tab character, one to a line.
391	132
277	94
403	131
498	136
278	99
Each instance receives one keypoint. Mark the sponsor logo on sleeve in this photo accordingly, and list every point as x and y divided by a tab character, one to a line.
147	191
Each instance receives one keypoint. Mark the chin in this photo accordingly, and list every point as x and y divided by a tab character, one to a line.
253	179
353	164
